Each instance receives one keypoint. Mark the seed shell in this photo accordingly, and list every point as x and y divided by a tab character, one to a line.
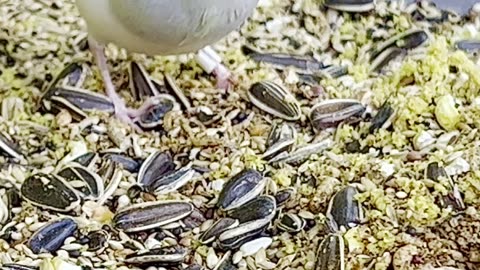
51	237
49	192
149	215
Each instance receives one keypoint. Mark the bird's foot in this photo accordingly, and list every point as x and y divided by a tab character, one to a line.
225	79
211	62
146	106
124	114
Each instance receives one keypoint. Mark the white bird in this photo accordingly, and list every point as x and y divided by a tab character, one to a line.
161	27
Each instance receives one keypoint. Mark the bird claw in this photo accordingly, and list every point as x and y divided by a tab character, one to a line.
123	114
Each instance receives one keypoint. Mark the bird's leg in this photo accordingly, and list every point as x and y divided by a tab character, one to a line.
121	110
211	62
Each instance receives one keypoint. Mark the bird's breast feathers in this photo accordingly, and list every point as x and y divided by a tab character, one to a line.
164	27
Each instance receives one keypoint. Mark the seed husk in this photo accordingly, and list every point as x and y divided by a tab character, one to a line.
275	99
94	183
15	266
69	76
87	160
172	181
217	228
236	237
98	240
468	45
331	113
75	100
156	165
435	172
49	192
5	207
225	262
396	45
282	61
141	85
262	207
177	92
344	210
406	40
242	188
158	256
281	139
382	116
331	253
127	163
291	223
51	237
153	118
194	220
350	5
149	215
9	148
302	153
284	195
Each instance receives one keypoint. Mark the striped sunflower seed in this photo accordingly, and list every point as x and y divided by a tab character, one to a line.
242	188
49	192
331	113
145	216
51	237
275	99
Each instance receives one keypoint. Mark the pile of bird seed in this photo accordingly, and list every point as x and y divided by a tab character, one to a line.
369	161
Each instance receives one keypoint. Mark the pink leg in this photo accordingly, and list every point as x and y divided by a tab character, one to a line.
211	62
224	77
121	111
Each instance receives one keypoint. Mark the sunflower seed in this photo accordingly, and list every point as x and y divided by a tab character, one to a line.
173	181
262	207
242	188
344	210
76	100
453	198
281	139
49	192
275	99
217	228
331	253
331	113
468	45
157	164
127	163
98	240
236	237
145	216
303	153
51	237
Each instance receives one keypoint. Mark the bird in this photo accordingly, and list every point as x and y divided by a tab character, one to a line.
161	27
